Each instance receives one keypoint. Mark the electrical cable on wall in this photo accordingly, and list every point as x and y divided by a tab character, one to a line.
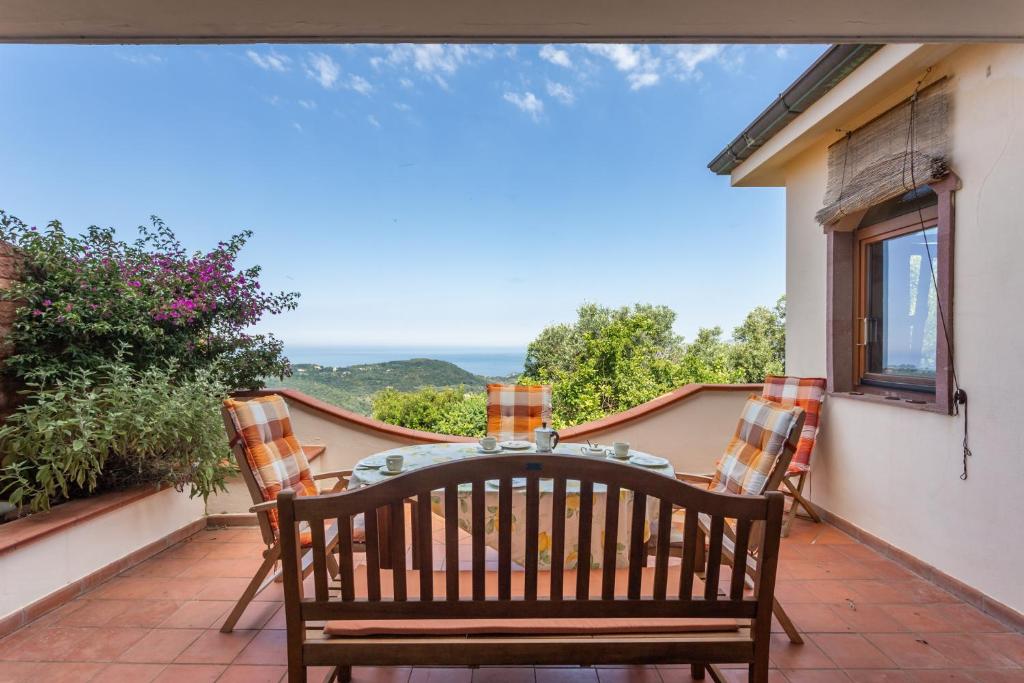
959	395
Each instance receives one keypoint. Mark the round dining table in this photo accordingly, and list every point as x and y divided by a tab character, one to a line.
371	470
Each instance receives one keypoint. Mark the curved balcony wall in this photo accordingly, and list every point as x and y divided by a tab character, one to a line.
690	426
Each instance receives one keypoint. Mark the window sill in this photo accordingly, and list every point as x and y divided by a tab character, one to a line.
927	406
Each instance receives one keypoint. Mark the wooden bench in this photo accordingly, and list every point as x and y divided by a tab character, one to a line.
650	612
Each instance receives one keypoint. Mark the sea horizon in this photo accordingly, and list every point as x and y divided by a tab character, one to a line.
480	360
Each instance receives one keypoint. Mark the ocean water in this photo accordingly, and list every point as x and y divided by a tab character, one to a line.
490	362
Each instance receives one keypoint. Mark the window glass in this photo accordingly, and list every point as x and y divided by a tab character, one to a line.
902	310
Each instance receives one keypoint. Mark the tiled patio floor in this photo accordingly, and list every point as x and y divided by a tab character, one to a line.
866	619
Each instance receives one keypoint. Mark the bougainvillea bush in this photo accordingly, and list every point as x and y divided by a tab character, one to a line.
109	337
82	297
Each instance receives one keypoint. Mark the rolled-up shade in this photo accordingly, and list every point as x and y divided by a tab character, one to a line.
879	161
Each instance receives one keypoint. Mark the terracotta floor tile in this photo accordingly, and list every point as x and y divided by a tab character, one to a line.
256	615
240	673
969	651
875	676
909	651
106	645
441	675
815	676
70	672
833	592
1005	676
241	567
817	618
868	618
147	613
93	612
197	614
922	618
162	567
740	676
193	673
145	588
940	676
573	674
381	674
46	644
18	672
214	647
268	647
851	651
969	619
786	655
130	673
497	674
161	645
632	674
1009	644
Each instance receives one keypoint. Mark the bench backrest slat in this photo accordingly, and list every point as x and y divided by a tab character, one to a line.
634	501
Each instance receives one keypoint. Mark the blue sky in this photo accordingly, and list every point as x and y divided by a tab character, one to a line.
417	195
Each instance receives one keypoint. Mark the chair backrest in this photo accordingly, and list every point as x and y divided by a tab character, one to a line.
268	454
760	450
809	394
468	507
514	410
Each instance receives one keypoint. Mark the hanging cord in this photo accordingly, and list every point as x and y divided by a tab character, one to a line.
959	395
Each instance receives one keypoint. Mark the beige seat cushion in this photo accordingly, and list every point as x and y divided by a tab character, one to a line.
525	627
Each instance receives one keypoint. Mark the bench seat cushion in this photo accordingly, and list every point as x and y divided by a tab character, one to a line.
523	627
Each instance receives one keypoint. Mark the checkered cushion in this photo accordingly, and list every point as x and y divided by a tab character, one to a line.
273	453
514	411
759	440
809	394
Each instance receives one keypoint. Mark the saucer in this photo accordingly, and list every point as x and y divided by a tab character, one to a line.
648	461
370	464
481	449
586	450
516	445
388	473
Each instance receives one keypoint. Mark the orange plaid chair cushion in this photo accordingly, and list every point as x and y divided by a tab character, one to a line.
514	411
809	394
273	453
760	439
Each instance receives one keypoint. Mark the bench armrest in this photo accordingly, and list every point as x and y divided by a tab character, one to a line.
694	478
264	507
341	475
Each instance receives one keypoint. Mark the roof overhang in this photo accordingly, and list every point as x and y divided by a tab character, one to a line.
177	21
850	103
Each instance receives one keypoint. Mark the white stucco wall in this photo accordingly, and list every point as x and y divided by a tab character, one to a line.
895	472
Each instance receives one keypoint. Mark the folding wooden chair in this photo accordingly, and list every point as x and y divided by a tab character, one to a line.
809	394
271	460
754	462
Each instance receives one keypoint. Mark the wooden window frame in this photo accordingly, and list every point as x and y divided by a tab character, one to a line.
846	299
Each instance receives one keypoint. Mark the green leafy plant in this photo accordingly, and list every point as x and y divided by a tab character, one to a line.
112	427
81	297
445	411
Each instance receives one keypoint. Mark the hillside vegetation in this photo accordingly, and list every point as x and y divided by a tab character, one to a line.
354	387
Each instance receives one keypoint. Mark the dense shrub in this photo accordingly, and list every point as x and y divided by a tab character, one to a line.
82	297
113	427
445	411
123	351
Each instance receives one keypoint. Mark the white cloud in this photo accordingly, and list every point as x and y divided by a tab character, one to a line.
372	120
686	60
526	102
642	79
561	92
405	82
273	100
402	106
437	62
624	57
556	56
323	69
307	104
272	61
782	52
141	59
297	126
360	85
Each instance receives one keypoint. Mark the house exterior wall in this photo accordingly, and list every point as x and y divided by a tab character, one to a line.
895	472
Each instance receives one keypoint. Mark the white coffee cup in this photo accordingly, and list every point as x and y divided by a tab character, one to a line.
488	443
394	462
619	450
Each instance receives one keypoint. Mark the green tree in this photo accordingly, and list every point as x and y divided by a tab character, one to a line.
445	411
759	344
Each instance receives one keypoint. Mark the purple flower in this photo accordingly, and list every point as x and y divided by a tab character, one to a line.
134	283
37	312
47	302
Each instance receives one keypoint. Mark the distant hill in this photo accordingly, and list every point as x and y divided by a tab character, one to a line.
353	387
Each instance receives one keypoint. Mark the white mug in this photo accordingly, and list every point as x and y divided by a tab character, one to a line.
394	462
488	443
619	450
